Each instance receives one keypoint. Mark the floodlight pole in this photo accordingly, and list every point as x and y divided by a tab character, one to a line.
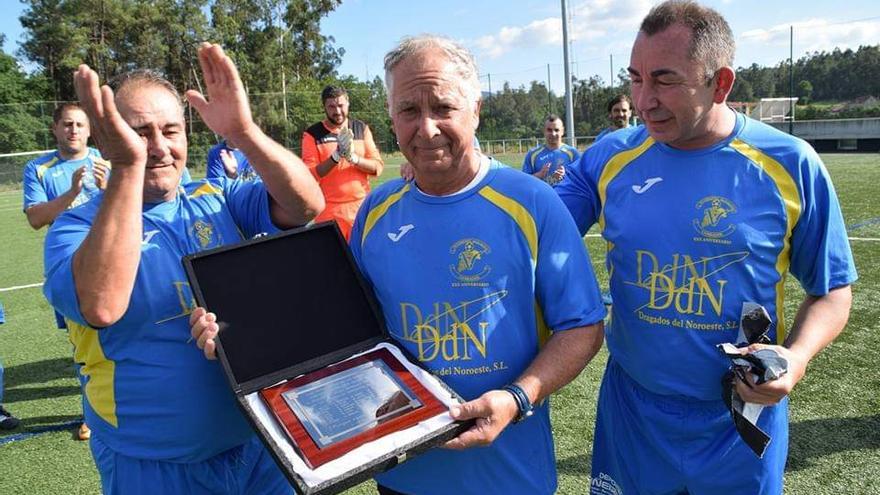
611	69
791	102
569	106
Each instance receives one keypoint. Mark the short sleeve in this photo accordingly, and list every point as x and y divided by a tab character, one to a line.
821	257
62	241
579	193
248	203
34	192
565	284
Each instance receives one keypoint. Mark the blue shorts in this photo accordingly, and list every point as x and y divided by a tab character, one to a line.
647	443
246	469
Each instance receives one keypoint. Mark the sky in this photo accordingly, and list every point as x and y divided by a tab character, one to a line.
514	41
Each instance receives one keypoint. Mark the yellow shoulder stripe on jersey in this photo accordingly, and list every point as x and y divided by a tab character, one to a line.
534	156
791	199
613	167
379	210
520	215
541	325
206	188
569	152
99	370
41	170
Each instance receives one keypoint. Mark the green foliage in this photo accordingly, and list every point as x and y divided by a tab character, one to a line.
842	111
266	38
520	112
804	91
835	75
20	128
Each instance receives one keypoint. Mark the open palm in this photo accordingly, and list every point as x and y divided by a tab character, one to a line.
118	142
225	110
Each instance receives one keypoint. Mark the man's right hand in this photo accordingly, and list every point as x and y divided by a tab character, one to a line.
76	182
541	174
344	142
204	328
118	142
406	172
230	164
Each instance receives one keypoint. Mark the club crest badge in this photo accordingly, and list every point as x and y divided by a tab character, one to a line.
714	219
204	233
469	260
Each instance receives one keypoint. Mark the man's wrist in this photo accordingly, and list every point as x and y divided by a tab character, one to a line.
335	156
355	159
523	404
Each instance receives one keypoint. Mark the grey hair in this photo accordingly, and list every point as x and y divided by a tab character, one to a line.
461	58
712	43
138	78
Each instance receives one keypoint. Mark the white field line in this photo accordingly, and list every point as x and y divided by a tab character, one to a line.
18	287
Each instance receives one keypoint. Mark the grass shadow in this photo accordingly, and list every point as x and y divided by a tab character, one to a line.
43	371
12	395
810	441
37	424
576	465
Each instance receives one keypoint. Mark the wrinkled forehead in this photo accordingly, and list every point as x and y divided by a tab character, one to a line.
667	50
427	71
149	104
553	124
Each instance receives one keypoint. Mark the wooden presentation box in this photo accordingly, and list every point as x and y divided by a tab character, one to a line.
305	349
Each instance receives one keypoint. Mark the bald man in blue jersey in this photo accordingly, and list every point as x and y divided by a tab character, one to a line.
163	418
549	161
704	212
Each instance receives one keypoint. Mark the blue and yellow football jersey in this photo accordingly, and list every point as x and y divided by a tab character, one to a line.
49	176
539	157
149	392
471	284
692	235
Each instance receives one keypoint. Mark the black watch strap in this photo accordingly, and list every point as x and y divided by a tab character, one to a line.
523	404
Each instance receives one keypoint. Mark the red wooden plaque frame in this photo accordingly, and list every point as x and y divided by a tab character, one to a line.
313	454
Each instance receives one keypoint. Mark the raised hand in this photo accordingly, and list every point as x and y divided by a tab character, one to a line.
118	142
230	164
406	171
102	173
76	182
541	174
344	142
225	109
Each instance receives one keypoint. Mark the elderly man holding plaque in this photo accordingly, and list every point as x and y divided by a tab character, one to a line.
162	417
481	275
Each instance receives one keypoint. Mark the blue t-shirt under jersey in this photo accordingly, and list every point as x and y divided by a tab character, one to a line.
692	235
149	392
471	285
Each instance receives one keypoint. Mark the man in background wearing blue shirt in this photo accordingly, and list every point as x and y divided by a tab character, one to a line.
548	161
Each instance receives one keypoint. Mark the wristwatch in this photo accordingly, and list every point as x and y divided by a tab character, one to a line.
523	404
